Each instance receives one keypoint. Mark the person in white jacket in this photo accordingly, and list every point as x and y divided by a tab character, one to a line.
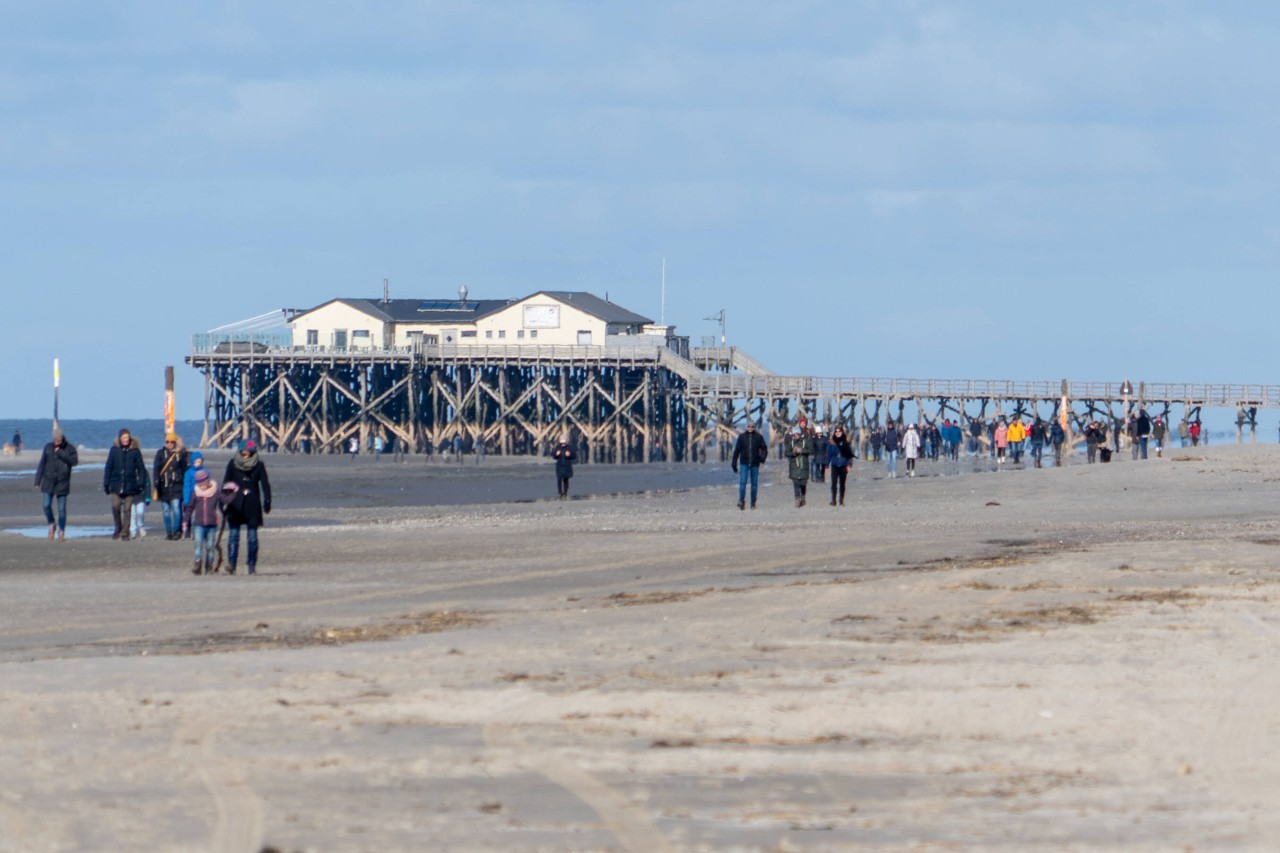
911	448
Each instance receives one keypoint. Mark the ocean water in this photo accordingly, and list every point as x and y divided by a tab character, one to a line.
96	434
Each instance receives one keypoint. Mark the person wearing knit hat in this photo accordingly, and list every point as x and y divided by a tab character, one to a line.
200	516
250	504
53	479
169	474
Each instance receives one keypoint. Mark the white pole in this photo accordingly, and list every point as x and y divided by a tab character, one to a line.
662	299
57	379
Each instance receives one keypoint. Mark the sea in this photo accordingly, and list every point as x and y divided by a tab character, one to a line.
98	434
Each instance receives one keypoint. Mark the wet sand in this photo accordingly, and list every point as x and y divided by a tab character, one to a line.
438	658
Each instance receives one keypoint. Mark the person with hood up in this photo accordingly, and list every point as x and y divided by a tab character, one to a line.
798	448
195	462
250	502
1057	437
565	457
839	458
911	443
124	478
169	472
53	479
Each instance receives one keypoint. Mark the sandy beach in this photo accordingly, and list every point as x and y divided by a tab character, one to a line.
441	657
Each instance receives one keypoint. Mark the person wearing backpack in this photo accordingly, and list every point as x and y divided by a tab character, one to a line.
749	451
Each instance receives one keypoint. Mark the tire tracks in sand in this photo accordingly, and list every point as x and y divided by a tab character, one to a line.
239	821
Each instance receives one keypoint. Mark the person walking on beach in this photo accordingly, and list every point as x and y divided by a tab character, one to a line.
124	476
911	448
799	449
353	447
891	443
1142	429
250	502
142	500
17	442
1194	432
749	452
565	457
1017	434
200	517
195	464
877	442
53	479
1094	437
1158	432
1036	436
839	456
169	473
1000	440
1057	438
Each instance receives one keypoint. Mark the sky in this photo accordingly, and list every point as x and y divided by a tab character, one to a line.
982	190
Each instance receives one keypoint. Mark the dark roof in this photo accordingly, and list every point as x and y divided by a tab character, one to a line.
597	307
458	311
422	310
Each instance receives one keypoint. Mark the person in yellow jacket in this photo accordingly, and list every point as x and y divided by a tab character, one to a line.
1017	436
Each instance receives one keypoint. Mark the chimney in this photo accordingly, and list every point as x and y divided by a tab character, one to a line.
386	291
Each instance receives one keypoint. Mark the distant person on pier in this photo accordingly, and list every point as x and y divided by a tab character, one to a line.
840	456
53	479
798	448
1057	438
124	476
564	456
749	453
169	473
249	505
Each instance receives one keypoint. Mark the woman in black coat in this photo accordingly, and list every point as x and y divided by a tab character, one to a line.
247	478
564	456
124	477
53	478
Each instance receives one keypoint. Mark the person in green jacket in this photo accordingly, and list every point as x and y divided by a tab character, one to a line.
798	448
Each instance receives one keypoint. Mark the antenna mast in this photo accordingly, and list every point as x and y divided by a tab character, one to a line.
662	299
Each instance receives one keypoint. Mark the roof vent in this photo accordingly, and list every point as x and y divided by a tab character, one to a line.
462	293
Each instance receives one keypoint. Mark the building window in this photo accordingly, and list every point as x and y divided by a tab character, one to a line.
468	333
313	337
488	333
502	333
533	333
520	334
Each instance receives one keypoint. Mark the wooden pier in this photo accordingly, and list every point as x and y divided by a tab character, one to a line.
625	402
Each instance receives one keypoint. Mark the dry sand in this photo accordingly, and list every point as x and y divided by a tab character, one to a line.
1064	659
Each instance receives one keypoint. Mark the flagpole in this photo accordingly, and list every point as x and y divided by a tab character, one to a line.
56	380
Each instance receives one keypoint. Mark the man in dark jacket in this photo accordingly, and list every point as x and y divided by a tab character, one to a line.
53	478
250	502
123	477
748	452
168	475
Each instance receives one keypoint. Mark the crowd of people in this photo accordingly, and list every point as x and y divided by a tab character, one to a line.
193	505
812	453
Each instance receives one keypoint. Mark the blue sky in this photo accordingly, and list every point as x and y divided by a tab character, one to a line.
914	189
